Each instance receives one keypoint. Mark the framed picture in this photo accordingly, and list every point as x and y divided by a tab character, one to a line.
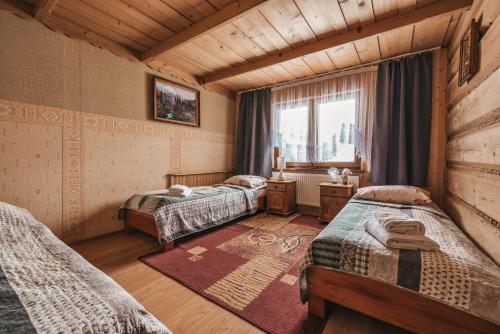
469	54
175	103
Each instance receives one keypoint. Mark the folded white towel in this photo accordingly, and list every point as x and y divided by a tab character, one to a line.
179	190
395	240
402	225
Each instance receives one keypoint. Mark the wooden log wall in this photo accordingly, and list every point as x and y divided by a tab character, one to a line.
472	174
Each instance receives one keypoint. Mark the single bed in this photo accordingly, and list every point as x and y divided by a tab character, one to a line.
453	290
170	218
46	287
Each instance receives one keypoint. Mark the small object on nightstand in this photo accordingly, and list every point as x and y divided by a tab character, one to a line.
345	175
280	196
333	197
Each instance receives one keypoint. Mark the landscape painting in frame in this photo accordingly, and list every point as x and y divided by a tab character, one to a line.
174	103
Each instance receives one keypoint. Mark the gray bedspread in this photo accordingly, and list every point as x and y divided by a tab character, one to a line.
208	206
46	287
458	275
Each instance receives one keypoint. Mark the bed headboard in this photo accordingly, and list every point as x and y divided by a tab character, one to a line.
199	179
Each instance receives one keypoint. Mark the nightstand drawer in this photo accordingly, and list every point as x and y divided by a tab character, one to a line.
276	186
336	191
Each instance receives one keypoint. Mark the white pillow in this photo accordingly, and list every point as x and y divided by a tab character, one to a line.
250	181
394	194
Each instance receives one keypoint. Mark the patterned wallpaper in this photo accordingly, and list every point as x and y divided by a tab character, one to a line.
72	170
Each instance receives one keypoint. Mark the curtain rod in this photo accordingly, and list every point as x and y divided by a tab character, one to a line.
349	69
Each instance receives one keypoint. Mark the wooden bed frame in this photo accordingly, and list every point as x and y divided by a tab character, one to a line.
146	223
403	308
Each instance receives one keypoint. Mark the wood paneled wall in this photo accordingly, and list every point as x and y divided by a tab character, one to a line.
199	179
472	174
76	138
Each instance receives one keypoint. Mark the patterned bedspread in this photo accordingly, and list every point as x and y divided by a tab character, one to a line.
208	206
46	287
459	274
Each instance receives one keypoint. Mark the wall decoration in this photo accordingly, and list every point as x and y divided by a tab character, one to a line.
175	103
469	54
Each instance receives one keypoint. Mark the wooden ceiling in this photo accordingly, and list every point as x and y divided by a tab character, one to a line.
251	43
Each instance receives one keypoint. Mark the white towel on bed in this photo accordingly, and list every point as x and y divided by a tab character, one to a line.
179	190
399	223
396	240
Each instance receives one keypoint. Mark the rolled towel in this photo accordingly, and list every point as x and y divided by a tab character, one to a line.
179	190
395	240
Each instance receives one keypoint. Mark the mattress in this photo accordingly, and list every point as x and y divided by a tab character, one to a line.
46	287
458	275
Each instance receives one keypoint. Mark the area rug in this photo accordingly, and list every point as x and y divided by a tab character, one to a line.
249	267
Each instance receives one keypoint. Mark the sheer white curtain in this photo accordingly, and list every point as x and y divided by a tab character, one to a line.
305	99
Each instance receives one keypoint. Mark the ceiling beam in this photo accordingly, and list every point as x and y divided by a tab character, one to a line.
19	8
44	8
205	26
429	11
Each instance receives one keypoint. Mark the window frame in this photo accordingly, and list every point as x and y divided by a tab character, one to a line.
312	105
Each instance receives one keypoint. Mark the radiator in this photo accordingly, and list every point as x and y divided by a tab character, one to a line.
308	186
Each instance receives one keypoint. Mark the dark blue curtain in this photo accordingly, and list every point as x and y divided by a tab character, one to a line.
253	137
402	121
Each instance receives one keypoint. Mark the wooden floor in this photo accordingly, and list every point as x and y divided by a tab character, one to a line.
181	309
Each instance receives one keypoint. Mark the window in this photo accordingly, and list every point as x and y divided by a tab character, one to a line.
318	132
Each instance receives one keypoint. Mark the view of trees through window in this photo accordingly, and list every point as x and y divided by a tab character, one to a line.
317	132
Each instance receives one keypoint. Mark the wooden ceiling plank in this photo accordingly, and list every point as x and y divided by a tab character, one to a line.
323	16
368	49
76	31
385	25
83	21
287	19
211	47
298	68
44	8
278	72
255	26
344	55
385	8
395	42
177	58
430	33
232	37
319	62
193	10
219	4
129	15
161	13
205	26
19	8
110	22
357	13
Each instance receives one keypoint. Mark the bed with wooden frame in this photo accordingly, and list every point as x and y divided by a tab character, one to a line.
331	274
134	220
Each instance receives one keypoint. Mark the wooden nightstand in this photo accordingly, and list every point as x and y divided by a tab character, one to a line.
280	196
333	197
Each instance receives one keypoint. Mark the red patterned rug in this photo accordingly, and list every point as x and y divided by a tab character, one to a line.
250	268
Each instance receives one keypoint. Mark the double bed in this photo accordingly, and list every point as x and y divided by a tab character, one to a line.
170	218
46	287
455	289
